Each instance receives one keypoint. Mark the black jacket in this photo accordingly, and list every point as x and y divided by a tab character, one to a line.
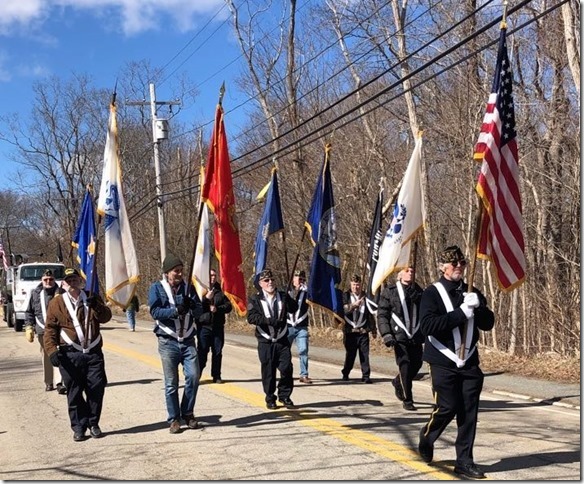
436	322
271	326
221	303
34	309
369	320
303	308
389	303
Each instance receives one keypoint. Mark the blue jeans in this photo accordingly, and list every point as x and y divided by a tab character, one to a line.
172	353
131	317
301	337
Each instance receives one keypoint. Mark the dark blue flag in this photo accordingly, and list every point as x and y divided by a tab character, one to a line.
375	239
270	223
325	268
84	242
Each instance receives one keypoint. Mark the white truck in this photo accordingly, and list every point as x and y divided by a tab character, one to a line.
26	277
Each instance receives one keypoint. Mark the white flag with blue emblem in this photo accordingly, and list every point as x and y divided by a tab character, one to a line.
408	219
121	264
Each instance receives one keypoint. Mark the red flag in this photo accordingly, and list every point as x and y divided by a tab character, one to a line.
218	194
501	232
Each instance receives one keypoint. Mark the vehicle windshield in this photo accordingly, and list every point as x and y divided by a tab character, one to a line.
35	273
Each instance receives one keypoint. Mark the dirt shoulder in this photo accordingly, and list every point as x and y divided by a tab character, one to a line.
547	366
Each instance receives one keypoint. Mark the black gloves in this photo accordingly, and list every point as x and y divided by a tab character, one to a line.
54	357
389	340
92	301
184	306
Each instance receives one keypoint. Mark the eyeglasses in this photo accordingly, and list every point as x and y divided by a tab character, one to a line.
268	279
48	279
461	263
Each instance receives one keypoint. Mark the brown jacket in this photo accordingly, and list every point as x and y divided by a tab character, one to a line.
58	319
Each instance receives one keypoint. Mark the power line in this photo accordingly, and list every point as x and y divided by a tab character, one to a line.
268	158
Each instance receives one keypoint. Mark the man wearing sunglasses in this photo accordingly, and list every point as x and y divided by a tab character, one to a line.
268	310
451	316
35	319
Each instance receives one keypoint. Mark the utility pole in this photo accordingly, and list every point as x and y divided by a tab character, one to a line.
159	133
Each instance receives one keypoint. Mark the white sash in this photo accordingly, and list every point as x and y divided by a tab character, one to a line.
77	325
170	332
453	356
268	314
43	310
295	319
407	327
360	321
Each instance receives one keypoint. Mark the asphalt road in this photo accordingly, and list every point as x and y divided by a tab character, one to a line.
340	430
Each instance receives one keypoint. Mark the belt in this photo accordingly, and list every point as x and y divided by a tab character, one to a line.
71	349
358	330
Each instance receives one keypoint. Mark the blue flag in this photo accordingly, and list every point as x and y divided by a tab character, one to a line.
84	242
325	268
270	223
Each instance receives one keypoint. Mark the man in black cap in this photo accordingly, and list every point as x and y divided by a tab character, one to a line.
451	317
35	318
268	311
73	342
176	313
359	322
398	322
298	323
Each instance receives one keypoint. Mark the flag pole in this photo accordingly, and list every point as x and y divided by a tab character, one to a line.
296	259
283	232
477	231
199	216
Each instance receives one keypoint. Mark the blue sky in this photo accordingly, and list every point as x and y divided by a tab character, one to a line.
40	38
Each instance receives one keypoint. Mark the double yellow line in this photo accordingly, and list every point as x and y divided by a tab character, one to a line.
358	438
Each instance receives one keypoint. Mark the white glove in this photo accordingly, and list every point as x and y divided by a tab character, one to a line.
468	311
471	299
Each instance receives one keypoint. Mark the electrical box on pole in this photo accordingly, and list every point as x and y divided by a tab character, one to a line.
161	129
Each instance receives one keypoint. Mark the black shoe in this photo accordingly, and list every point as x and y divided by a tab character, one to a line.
271	405
79	435
366	379
425	448
409	406
399	392
469	470
287	402
217	380
95	432
345	377
49	387
61	389
191	422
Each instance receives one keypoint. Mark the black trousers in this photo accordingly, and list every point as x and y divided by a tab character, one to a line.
456	394
356	342
276	356
408	357
211	338
85	379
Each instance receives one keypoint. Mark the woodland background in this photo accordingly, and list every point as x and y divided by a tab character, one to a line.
365	76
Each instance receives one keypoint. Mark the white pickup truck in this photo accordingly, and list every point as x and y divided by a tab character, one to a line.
26	278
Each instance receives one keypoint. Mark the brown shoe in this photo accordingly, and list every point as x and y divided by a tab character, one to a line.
305	379
175	427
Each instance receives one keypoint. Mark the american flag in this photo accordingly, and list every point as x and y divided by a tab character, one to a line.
3	254
501	232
